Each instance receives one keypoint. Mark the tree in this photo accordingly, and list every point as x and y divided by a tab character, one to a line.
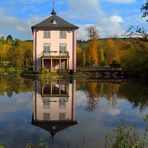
9	38
132	61
136	32
139	31
102	59
79	56
110	51
92	33
2	39
135	60
144	9
92	53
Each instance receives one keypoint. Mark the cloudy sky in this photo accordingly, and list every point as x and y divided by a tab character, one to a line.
111	17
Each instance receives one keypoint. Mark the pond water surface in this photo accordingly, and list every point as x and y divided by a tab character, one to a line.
67	113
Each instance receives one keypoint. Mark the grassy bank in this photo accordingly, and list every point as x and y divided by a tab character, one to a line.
54	75
10	70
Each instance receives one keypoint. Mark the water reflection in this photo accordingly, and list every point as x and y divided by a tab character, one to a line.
135	92
96	90
54	105
79	113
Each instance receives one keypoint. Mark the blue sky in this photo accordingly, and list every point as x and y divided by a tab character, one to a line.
111	17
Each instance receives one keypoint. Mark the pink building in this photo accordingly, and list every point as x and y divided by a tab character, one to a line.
54	44
54	105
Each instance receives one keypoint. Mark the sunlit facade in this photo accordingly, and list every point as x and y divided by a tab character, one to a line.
54	45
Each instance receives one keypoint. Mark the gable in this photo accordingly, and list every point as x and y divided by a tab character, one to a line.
55	23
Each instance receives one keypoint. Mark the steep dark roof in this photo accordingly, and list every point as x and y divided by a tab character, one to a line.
58	24
54	126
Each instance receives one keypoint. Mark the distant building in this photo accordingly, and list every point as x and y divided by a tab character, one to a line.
54	44
54	105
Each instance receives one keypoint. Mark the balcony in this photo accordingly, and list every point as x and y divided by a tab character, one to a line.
55	53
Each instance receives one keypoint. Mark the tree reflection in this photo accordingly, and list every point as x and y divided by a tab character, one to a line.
96	90
136	92
13	85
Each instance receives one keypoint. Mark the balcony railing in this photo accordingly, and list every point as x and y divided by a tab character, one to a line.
56	53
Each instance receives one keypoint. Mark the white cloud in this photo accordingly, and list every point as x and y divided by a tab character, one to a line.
106	26
111	25
121	1
87	9
16	103
80	12
16	25
91	11
12	23
116	19
82	31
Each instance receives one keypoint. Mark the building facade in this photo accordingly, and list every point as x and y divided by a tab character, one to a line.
54	44
54	105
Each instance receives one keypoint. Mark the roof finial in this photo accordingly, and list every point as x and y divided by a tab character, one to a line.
53	11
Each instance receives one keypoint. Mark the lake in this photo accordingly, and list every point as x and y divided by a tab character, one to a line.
68	113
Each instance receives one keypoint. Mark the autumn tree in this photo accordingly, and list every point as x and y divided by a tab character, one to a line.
136	59
101	52
110	51
2	39
15	53
92	53
82	47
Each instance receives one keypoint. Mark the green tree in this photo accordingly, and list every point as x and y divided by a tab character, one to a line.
9	38
2	39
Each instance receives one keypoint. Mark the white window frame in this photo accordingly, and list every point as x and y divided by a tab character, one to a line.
62	103
46	116
62	116
62	47
46	103
46	34
46	47
63	34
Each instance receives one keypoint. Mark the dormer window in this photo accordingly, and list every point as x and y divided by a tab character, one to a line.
53	21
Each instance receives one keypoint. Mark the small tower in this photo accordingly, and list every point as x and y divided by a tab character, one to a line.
53	11
54	44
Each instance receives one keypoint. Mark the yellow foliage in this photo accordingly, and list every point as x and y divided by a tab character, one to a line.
92	53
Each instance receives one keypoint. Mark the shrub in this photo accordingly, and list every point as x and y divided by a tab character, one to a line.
125	137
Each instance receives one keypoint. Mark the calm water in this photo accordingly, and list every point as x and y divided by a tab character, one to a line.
67	114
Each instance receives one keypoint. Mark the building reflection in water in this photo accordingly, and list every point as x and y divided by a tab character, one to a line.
54	105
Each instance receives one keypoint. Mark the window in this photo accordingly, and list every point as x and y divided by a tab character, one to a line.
63	47
63	34
46	34
62	103
46	116
46	103
46	47
62	116
54	21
